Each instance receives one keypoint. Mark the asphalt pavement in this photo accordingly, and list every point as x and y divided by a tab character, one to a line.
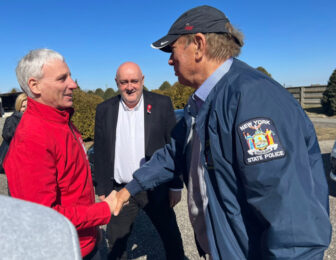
324	121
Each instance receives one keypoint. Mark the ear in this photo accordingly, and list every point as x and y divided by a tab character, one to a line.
200	46
33	84
116	81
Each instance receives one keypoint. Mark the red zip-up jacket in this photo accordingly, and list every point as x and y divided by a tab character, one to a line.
47	164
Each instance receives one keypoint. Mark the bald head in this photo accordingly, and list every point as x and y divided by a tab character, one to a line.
128	67
130	82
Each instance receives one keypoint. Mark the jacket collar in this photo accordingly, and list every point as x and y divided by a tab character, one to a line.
48	113
203	91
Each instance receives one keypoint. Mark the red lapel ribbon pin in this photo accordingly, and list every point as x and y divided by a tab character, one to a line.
149	107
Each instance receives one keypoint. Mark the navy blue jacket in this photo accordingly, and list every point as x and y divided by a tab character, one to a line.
265	181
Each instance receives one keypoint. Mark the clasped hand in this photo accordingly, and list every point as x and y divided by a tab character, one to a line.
116	200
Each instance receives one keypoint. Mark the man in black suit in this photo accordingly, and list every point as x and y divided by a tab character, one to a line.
129	129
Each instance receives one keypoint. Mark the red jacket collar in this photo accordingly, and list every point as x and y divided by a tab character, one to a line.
47	112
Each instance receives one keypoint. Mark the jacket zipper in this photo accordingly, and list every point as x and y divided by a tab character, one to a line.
77	141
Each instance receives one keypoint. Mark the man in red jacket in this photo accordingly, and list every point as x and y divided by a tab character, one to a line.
46	162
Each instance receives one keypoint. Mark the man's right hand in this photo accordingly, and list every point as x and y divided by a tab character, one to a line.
121	198
110	200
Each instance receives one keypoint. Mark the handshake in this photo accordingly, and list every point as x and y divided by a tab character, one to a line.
116	200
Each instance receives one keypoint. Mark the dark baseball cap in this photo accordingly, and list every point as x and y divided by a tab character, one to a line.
201	19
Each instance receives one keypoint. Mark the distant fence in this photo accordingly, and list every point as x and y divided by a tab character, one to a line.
308	96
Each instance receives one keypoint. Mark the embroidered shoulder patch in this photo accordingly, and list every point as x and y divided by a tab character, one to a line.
260	141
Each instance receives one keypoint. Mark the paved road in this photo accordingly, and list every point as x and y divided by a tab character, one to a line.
324	121
145	243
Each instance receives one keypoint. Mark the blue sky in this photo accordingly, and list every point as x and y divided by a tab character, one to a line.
293	40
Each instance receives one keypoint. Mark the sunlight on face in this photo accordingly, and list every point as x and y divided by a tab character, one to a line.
56	87
130	83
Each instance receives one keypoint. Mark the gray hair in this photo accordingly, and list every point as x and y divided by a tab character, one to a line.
31	66
221	46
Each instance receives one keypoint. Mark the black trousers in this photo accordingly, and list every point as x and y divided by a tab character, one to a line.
156	205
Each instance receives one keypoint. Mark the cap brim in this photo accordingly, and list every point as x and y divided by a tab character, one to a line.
164	43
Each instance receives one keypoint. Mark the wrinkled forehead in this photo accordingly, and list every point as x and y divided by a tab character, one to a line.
55	67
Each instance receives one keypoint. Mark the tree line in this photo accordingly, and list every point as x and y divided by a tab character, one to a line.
85	102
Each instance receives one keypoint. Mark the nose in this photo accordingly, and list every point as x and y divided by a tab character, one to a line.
171	60
129	86
72	84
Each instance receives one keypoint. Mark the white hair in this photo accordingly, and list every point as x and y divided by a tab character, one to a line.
31	66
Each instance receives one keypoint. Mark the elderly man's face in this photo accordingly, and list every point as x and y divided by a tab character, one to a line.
183	60
56	86
130	83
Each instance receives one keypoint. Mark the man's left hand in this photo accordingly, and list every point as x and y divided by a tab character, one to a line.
174	197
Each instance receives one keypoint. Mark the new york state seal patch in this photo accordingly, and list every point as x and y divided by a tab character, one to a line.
260	141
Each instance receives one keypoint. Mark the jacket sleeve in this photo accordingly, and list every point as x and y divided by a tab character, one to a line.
177	182
34	179
99	154
288	195
9	128
165	163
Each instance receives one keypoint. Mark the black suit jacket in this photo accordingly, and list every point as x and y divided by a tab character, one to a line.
158	125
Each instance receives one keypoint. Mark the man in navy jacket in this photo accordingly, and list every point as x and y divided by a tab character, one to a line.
249	153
